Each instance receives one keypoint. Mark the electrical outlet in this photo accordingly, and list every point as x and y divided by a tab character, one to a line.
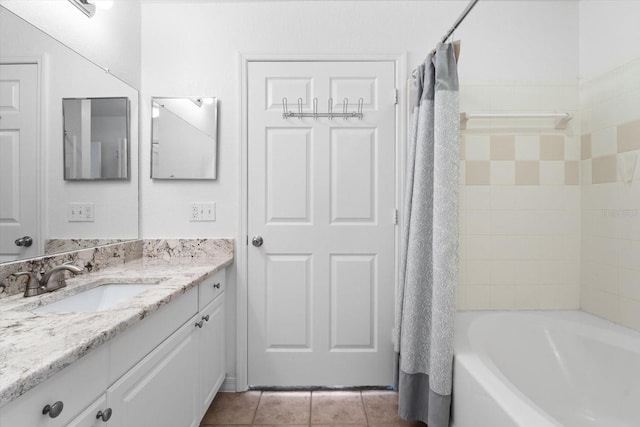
203	211
80	212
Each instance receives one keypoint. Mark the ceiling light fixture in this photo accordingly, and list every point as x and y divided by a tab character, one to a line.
88	7
85	7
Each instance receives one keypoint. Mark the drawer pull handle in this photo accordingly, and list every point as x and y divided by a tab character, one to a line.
53	410
199	324
205	318
104	416
216	285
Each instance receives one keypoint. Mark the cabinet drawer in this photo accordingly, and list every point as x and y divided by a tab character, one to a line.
129	347
76	387
211	288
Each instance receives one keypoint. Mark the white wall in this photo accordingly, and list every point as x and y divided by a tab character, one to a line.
501	40
68	75
193	49
111	38
609	34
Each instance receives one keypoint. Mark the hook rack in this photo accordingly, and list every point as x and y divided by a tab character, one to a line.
329	114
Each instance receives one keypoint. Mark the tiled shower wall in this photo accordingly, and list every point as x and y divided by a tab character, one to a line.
520	199
610	143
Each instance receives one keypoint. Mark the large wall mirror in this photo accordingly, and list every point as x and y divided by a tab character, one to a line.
184	138
36	73
96	138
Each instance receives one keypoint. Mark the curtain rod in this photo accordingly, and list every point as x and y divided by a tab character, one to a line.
456	24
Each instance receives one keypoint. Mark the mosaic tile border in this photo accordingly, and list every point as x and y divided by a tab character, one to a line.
602	151
498	159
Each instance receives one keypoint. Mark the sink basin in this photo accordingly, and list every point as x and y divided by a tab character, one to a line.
99	298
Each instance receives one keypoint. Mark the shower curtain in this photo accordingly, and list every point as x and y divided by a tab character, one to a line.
425	311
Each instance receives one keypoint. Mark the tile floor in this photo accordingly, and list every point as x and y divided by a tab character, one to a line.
305	408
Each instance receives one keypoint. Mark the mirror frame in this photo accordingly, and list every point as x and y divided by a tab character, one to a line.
127	128
214	136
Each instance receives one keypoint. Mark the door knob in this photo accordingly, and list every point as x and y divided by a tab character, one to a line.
257	241
25	241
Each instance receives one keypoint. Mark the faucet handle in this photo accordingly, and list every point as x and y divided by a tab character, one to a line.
31	276
33	284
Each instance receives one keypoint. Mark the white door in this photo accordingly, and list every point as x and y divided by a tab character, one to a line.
18	160
321	194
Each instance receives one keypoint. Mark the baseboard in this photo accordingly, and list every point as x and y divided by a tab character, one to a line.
229	385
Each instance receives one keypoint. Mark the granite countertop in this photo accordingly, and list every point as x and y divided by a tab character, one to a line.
35	346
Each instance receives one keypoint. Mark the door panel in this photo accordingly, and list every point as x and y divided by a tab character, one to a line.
322	195
353	308
10	175
288	189
353	175
18	159
287	312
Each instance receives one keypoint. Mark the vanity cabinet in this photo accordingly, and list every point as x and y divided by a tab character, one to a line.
163	371
159	391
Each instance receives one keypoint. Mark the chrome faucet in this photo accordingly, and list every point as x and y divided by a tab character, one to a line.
37	287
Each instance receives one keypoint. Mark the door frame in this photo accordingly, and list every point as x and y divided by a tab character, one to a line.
41	141
241	250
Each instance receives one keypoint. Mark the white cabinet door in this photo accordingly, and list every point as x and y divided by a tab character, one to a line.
322	196
89	417
161	391
212	352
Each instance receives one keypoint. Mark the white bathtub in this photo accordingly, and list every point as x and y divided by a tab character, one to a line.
543	369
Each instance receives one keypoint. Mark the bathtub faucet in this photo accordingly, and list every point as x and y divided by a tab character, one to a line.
37	287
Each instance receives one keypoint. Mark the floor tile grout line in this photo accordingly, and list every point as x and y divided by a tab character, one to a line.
310	406
255	414
364	408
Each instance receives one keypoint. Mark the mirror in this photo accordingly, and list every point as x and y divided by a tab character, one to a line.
36	73
184	138
96	138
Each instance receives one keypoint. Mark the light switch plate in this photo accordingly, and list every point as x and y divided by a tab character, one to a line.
80	212
203	211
